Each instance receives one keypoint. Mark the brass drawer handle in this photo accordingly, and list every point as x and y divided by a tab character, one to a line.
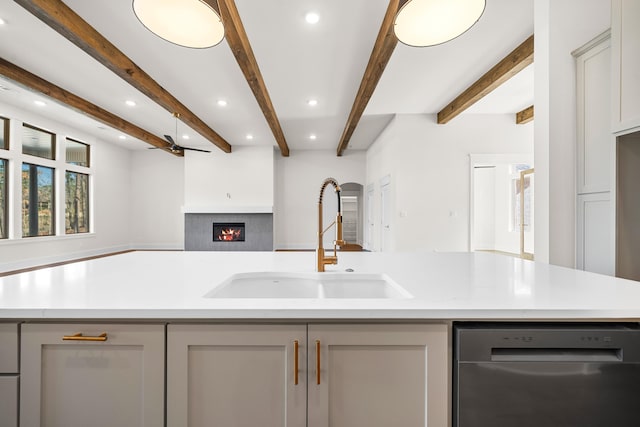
318	362
80	337
295	362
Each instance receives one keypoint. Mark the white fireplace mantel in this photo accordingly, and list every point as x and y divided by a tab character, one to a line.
226	209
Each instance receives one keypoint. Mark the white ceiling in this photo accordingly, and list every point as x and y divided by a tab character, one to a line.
298	62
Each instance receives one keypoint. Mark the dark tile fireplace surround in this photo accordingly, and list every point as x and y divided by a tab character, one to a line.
228	232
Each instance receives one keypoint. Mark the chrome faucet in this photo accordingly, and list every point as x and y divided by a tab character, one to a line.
321	259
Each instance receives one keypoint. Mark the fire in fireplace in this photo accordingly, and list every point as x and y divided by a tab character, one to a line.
228	232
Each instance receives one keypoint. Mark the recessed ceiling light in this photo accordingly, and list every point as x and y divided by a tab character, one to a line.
122	137
312	137
312	18
40	103
312	102
249	136
222	103
130	103
2	21
185	136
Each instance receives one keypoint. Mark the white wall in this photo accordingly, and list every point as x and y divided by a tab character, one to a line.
298	180
157	187
429	169
484	208
110	192
243	178
555	119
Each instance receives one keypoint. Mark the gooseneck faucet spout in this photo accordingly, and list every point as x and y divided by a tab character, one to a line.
321	259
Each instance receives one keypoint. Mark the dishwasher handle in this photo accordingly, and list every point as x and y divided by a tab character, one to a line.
499	354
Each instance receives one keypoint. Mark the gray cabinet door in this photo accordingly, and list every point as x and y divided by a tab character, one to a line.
378	375
236	375
9	401
8	348
73	383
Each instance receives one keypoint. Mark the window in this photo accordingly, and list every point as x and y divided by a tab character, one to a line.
4	133
77	153
38	142
37	201
4	203
77	203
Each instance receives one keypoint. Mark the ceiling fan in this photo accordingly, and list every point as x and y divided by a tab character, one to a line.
174	147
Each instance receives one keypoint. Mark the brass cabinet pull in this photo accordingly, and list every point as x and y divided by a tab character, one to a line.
318	362
295	362
80	337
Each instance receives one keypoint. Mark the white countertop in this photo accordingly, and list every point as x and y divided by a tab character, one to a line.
171	285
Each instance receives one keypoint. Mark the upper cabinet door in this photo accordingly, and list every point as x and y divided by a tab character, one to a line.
625	42
236	375
378	375
595	143
80	383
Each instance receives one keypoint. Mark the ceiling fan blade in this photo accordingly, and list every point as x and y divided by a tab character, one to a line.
168	138
195	149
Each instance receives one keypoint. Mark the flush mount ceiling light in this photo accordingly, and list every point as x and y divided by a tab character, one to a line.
312	18
423	23
188	23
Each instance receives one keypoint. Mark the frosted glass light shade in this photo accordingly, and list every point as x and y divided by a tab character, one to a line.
189	23
430	22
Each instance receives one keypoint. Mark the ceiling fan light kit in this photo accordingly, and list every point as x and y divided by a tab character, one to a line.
188	23
422	23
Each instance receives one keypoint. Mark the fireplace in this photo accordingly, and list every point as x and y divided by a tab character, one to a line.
228	231
245	231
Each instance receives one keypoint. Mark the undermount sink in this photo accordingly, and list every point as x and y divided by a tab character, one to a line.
308	285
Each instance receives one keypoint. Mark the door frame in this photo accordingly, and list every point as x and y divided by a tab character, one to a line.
488	160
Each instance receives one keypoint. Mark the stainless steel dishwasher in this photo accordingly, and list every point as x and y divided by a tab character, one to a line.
546	375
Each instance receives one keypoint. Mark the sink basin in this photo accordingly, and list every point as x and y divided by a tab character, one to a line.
308	285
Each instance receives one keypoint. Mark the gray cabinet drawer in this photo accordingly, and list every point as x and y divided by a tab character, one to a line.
8	348
9	401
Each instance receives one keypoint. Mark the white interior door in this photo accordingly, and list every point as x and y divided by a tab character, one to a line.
385	215
370	226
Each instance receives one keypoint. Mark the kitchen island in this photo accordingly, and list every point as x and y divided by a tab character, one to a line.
131	339
444	286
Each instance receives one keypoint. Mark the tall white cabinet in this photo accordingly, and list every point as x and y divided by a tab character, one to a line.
595	151
625	55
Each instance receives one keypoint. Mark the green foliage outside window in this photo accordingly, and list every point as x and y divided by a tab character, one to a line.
77	203
37	201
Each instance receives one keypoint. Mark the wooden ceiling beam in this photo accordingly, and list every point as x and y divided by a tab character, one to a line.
69	24
32	82
524	116
380	55
239	43
521	57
